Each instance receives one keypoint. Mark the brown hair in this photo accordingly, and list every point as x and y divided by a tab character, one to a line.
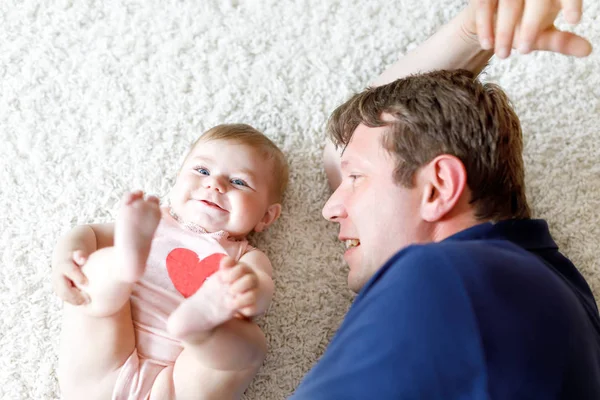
246	134
447	112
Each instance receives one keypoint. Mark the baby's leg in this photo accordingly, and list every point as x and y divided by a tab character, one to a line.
221	353
332	165
97	338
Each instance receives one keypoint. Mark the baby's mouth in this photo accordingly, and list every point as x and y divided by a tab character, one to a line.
213	205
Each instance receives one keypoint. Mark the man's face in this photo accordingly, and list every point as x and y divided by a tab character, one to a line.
377	216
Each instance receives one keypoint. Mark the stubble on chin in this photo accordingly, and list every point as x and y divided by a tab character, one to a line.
355	281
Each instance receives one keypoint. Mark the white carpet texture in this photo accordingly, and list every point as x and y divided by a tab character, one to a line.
97	97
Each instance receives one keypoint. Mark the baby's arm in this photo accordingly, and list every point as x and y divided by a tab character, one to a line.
251	285
71	253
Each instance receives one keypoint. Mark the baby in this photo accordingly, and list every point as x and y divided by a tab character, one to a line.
159	305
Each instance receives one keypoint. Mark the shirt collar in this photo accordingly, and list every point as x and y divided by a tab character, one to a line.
530	234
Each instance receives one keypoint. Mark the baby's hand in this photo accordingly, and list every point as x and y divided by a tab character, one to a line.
243	286
66	274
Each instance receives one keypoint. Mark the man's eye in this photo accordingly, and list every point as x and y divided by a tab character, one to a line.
203	171
239	182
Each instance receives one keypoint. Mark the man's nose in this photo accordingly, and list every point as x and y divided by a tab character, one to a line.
334	209
214	182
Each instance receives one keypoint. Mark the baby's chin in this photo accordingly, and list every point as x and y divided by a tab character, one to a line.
203	221
209	224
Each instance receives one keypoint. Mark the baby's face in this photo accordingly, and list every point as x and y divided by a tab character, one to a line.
224	185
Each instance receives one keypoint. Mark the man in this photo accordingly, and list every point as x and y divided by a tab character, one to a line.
461	295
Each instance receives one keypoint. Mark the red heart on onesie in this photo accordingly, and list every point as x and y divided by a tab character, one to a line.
188	272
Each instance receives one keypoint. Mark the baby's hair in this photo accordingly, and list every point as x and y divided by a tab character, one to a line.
246	134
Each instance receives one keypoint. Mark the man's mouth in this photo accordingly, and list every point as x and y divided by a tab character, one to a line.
350	243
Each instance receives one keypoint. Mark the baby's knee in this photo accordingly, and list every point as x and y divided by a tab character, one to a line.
75	387
164	386
99	259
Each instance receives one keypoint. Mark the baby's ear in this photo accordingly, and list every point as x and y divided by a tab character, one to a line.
273	212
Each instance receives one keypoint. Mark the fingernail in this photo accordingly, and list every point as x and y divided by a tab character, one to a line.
524	48
572	16
486	44
502	52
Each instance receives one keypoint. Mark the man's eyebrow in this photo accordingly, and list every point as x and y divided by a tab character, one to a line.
347	163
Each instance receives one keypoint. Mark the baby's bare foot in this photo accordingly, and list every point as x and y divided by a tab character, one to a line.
134	230
203	311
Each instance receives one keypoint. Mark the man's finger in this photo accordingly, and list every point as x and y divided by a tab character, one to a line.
484	21
534	18
572	10
563	42
509	15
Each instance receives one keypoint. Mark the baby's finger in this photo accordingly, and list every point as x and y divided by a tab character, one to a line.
130	197
248	312
233	274
69	293
227	263
153	199
79	257
571	10
245	283
74	273
247	299
484	20
509	14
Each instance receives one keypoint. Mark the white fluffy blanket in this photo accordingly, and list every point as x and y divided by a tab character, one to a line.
97	97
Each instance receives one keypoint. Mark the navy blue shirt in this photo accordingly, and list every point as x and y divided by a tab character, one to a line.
493	312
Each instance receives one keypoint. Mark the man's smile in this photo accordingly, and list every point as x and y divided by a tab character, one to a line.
352	243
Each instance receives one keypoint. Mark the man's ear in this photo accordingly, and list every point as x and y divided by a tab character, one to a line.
444	181
273	212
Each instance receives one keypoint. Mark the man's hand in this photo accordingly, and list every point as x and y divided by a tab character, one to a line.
243	286
66	274
525	25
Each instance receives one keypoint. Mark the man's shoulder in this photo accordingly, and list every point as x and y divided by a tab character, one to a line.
453	254
447	255
455	263
430	264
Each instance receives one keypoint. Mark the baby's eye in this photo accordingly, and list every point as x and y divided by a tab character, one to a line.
239	182
202	171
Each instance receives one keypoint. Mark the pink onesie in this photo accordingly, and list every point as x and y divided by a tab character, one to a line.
155	297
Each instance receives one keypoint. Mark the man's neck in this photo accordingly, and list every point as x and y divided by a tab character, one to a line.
453	224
